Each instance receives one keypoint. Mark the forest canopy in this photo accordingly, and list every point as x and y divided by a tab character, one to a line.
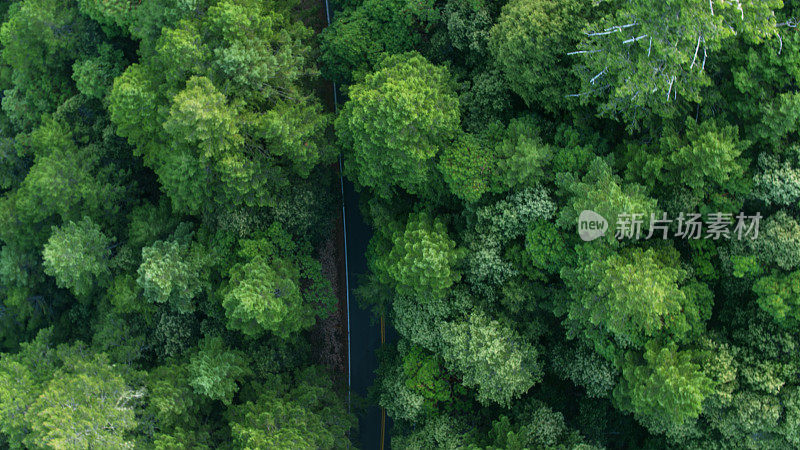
481	132
171	251
167	228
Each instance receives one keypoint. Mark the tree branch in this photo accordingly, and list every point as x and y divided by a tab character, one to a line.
584	51
695	52
598	75
614	29
636	39
705	54
672	80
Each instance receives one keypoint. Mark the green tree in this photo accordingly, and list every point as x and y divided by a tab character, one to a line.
171	401
414	383
356	41
77	255
778	242
467	167
604	193
41	39
633	295
643	55
777	182
307	415
702	170
668	388
578	362
752	365
468	24
216	371
94	76
530	42
535	425
710	160
442	431
491	358
103	418
521	156
396	122
66	180
510	217
276	289
778	294
64	397
546	247
171	272
266	296
423	259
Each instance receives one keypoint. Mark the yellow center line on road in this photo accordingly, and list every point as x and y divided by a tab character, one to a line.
383	411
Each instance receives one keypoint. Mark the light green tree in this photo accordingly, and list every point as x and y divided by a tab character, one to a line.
396	122
64	397
216	371
491	358
632	296
413	383
77	255
277	288
698	163
265	295
779	295
669	387
171	272
603	192
423	258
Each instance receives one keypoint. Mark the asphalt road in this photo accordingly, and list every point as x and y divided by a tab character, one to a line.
365	336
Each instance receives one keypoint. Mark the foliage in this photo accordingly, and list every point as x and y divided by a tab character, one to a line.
307	416
396	122
423	258
276	289
669	387
779	243
491	358
356	41
530	42
64	397
418	384
215	371
77	255
604	193
778	294
640	56
170	272
633	296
